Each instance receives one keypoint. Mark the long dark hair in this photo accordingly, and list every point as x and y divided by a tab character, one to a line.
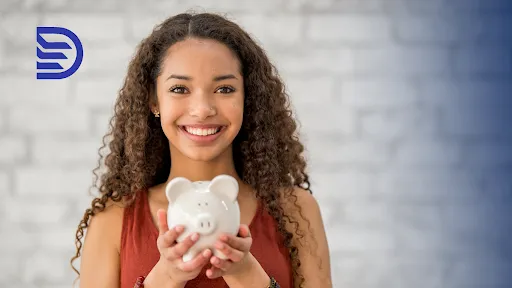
267	151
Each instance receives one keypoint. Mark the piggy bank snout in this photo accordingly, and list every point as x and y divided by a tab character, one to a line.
205	224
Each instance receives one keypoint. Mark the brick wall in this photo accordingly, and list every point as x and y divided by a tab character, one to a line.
385	91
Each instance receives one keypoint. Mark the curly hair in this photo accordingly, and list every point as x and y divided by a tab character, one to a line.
267	152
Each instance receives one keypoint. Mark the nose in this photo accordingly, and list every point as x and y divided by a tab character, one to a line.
202	107
205	224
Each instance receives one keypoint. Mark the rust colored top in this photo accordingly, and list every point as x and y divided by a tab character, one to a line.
139	252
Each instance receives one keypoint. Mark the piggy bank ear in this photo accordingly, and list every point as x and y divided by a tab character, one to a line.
224	185
177	186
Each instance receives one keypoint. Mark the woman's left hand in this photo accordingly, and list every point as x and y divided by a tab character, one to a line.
236	249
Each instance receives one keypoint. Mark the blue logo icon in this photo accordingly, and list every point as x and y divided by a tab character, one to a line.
59	72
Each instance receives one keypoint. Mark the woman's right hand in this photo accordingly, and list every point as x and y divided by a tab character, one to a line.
171	264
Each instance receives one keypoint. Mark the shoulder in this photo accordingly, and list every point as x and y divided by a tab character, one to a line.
302	203
106	226
305	213
99	266
314	249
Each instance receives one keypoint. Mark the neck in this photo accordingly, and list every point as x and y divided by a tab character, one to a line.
194	170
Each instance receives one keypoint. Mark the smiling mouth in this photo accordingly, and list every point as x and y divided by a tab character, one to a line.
200	131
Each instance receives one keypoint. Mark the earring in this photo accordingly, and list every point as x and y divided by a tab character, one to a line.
157	114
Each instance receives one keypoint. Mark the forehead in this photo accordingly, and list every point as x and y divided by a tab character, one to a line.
200	57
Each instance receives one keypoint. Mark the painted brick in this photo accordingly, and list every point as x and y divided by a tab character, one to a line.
284	30
98	92
377	94
316	60
414	152
26	91
62	182
5	184
12	149
40	212
19	28
41	120
400	62
398	124
108	59
55	151
481	61
349	29
304	91
44	266
90	27
358	239
426	185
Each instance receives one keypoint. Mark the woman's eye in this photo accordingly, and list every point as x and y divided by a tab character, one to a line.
225	90
178	89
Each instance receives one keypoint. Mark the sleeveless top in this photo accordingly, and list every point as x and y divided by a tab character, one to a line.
139	252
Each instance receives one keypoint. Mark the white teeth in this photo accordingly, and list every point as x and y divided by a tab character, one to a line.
202	132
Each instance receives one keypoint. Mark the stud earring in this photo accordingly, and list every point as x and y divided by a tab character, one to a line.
157	114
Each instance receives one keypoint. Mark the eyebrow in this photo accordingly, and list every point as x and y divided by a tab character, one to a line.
216	78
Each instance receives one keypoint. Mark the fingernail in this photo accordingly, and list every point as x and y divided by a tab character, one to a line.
224	238
179	229
206	253
219	245
194	237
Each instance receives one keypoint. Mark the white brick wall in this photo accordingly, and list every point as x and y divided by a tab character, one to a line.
391	97
349	29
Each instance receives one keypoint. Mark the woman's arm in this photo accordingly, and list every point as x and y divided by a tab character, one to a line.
99	265
315	259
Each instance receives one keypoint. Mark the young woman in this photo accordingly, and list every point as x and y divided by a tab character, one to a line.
202	99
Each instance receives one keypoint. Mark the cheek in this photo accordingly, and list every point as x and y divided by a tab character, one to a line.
236	109
170	112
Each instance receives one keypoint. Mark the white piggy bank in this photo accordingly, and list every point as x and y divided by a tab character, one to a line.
206	207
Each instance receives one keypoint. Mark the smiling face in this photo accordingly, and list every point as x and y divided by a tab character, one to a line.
200	98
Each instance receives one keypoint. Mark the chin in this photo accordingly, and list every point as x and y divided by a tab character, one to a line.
206	155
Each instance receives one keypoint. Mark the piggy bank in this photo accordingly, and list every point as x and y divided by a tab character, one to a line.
206	207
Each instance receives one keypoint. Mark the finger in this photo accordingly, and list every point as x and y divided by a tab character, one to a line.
181	248
231	253
162	221
244	231
196	262
223	265
168	239
214	272
242	244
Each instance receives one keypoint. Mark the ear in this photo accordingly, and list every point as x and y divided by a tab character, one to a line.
224	185
177	186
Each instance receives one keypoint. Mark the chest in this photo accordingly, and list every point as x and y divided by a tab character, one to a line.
139	252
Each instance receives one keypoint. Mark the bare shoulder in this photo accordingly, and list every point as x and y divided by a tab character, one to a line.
100	257
107	222
313	247
303	205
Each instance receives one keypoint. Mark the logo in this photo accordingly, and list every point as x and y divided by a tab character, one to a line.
54	68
